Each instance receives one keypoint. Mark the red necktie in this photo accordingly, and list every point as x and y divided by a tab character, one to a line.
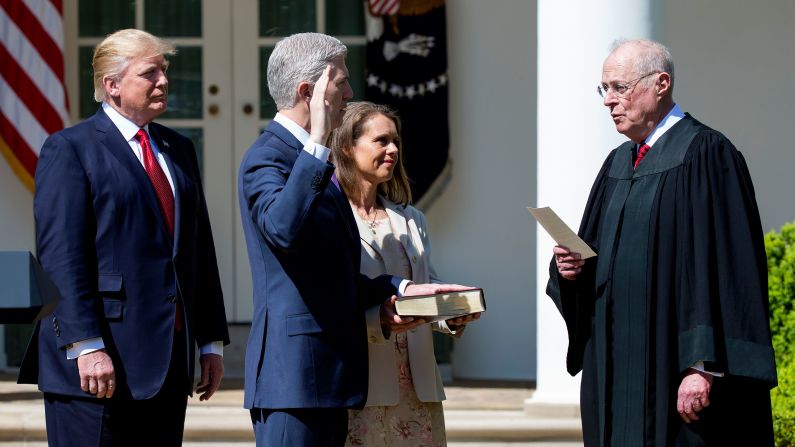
164	196
641	153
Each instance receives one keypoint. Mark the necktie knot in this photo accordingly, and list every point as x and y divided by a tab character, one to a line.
142	137
641	153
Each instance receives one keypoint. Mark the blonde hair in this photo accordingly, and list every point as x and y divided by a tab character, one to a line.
113	55
344	138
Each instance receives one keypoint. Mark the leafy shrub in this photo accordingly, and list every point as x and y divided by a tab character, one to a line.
780	249
783	399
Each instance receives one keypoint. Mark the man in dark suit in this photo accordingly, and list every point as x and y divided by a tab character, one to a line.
122	230
306	360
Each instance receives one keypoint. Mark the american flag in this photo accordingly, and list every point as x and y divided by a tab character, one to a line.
33	101
384	7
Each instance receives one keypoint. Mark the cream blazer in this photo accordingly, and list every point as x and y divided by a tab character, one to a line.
409	225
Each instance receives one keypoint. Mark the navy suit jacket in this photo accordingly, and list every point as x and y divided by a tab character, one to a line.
308	341
104	242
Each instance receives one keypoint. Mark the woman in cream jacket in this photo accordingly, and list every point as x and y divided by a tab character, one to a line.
405	388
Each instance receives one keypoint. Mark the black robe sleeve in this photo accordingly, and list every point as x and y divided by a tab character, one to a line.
721	279
575	298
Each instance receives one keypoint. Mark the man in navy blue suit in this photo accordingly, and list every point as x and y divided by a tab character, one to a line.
122	229
306	359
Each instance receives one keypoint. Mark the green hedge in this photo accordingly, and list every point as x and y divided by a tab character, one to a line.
781	282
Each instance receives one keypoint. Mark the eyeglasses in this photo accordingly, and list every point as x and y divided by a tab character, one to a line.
621	89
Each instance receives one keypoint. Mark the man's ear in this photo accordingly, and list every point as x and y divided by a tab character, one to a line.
663	84
305	91
111	86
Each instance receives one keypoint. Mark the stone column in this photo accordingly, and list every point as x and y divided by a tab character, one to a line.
575	134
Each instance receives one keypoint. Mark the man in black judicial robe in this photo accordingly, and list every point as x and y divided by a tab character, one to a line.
669	323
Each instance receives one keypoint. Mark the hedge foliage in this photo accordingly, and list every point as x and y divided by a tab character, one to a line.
781	283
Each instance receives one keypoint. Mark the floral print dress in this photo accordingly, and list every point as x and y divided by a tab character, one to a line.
410	423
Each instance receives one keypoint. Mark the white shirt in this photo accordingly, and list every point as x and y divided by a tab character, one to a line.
673	117
128	130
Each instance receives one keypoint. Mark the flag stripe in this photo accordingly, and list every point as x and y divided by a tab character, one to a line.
49	17
31	63
384	7
24	155
58	5
35	34
27	126
33	99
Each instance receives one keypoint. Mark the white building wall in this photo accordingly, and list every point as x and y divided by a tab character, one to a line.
734	65
479	228
16	212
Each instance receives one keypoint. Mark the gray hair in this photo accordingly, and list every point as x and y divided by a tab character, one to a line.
300	57
652	57
113	55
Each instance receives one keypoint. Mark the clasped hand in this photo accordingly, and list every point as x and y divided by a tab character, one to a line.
97	375
693	395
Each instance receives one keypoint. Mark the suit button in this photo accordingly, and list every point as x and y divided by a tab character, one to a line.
316	182
172	298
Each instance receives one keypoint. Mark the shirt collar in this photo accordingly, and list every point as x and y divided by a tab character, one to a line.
670	119
127	128
298	132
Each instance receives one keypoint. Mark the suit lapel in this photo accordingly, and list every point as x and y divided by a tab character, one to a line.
410	241
344	208
112	139
177	176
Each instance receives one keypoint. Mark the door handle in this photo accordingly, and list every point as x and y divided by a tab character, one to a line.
248	109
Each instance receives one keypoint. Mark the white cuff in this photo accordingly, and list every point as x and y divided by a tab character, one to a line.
699	366
214	347
402	287
87	346
317	150
441	326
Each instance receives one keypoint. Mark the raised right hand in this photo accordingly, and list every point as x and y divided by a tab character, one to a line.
97	375
320	109
569	263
